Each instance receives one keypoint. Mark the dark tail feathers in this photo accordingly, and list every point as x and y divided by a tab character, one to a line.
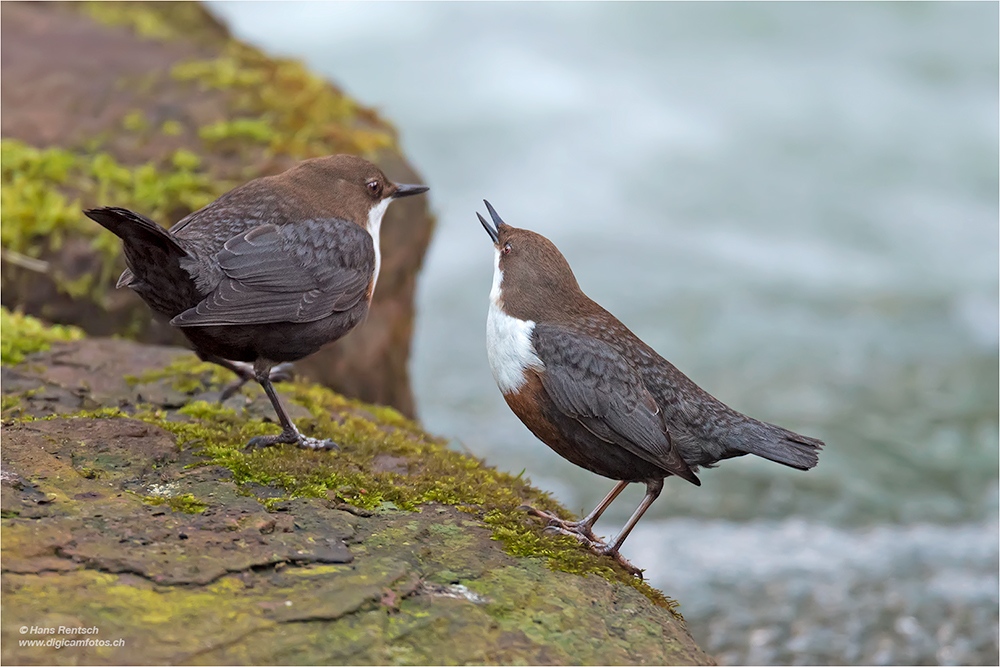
154	259
781	446
146	244
137	231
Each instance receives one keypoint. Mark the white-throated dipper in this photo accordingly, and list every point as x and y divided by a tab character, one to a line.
588	388
267	273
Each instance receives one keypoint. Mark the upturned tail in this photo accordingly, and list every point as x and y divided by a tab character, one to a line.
153	257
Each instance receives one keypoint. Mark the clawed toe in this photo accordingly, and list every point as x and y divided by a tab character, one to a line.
605	550
582	533
556	530
316	443
575	529
262	441
592	543
567	527
536	512
292	438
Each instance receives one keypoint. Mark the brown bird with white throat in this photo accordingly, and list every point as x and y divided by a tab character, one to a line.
588	388
267	273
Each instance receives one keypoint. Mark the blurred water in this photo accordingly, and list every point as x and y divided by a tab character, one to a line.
797	204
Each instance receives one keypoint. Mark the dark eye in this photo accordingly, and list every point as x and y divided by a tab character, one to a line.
374	187
506	248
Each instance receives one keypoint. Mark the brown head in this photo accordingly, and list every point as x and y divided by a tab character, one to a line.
532	280
344	186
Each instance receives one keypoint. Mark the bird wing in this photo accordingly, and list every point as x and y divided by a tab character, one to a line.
590	381
299	272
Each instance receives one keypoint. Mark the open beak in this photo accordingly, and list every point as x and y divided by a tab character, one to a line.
403	190
494	228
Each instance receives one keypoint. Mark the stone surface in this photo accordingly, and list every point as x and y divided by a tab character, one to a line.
77	83
111	522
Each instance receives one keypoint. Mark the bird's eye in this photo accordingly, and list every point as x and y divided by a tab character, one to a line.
506	248
374	187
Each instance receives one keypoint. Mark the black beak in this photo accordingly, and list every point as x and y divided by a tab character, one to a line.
493	229
488	227
403	190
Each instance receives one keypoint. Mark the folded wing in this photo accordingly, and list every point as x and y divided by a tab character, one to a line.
588	380
299	272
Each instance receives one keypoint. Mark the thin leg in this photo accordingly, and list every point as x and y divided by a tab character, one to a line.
244	373
585	526
653	490
289	434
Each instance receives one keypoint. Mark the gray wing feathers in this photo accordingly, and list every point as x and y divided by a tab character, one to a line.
125	279
294	273
589	380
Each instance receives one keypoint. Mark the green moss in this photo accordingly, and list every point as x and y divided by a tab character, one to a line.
270	107
435	473
221	73
563	553
31	204
135	121
10	405
257	130
186	373
186	503
42	192
164	21
23	335
171	128
280	104
99	413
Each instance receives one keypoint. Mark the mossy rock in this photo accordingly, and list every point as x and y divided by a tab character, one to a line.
129	504
155	107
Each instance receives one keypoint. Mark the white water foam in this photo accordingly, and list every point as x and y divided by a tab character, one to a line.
801	592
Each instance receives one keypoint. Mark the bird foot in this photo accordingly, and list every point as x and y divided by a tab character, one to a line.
318	443
605	550
584	535
245	373
593	543
572	528
291	437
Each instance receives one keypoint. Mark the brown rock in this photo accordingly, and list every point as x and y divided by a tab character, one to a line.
78	83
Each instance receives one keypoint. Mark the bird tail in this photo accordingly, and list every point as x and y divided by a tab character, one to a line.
136	231
779	445
144	241
154	258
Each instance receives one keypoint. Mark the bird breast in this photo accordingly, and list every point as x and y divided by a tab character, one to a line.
374	227
508	341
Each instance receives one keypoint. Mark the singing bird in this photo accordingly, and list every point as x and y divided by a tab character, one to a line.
596	394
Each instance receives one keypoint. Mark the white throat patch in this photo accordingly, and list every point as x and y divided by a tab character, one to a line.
374	226
508	341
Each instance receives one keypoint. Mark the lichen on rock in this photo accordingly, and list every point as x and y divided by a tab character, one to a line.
130	503
166	113
23	335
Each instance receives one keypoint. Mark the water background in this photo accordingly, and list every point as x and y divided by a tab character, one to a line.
797	204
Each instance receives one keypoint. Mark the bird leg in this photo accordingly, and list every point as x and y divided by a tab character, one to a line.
653	490
244	373
583	530
584	527
289	434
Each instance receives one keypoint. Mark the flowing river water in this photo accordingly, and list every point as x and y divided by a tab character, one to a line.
797	204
